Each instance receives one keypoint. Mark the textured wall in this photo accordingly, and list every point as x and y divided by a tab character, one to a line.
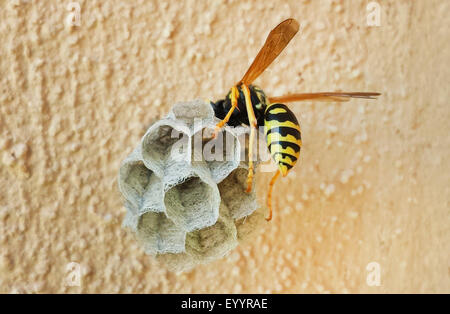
372	184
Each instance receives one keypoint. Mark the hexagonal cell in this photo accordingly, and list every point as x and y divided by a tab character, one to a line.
177	263
220	154
160	235
192	110
192	204
247	226
164	142
134	177
212	242
232	192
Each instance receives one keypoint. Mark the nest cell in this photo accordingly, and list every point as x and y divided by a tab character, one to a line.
192	204
160	235
215	241
134	178
231	191
221	154
165	141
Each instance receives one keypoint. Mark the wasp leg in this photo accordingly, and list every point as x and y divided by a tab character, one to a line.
253	126
234	97
269	194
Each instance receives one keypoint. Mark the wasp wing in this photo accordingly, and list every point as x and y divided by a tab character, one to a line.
277	40
329	96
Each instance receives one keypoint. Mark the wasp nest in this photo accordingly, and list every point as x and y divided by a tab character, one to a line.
184	193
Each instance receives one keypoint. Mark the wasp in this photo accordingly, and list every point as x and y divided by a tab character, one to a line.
247	104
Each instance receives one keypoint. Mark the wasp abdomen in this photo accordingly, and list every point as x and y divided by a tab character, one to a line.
283	136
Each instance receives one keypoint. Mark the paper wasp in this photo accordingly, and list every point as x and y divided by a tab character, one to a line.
255	109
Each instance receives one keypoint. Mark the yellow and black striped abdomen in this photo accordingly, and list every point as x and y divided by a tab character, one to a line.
283	136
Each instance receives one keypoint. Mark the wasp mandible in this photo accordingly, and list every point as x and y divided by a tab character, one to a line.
254	108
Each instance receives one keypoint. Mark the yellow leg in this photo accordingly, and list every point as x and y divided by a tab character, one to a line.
253	126
234	97
269	194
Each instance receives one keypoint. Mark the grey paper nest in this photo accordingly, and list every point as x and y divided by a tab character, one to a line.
186	208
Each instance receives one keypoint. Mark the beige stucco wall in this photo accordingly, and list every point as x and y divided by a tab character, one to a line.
372	184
